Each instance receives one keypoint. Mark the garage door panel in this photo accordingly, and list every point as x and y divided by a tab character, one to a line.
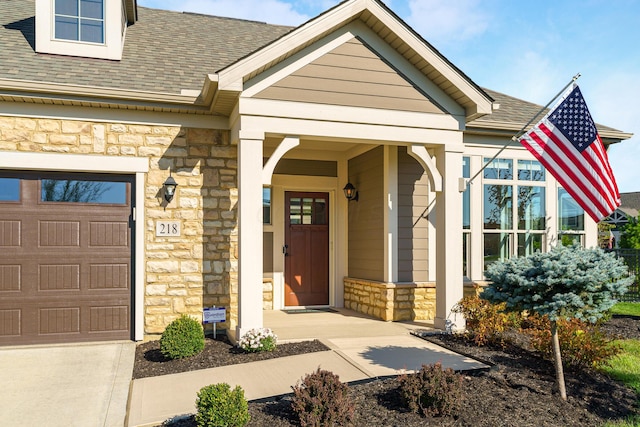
109	234
10	233
65	268
59	320
10	278
109	319
59	233
10	323
59	277
109	276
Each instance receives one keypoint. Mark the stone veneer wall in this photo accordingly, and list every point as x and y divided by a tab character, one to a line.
395	301
391	301
184	273
267	294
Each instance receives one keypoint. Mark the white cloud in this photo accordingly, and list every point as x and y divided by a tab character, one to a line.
446	21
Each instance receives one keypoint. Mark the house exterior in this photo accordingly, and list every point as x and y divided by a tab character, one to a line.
629	208
262	127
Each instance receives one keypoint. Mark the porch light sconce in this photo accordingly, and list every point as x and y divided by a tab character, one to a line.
350	192
169	188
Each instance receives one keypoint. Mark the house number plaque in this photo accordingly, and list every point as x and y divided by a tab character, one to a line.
167	228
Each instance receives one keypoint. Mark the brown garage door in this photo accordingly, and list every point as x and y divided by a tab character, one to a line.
65	258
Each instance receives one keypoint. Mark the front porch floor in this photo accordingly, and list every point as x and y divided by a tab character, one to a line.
334	324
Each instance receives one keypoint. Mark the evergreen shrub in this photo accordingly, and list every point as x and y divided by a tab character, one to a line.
219	406
184	337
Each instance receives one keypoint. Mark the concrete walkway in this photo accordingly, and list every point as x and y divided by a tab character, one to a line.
68	385
361	348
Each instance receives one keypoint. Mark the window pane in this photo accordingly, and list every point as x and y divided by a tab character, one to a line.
530	170
498	207
466	252
320	212
66	28
67	7
72	191
91	9
570	214
9	190
294	211
91	31
571	239
529	243
266	205
466	167
466	196
499	169
496	248
531	208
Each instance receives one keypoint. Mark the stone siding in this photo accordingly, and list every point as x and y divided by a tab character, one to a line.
184	273
267	294
391	301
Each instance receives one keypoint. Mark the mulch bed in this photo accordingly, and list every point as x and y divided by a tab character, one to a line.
518	390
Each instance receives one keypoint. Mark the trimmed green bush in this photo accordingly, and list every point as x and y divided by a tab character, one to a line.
432	391
219	406
184	337
322	400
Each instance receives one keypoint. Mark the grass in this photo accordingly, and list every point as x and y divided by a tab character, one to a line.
625	367
626	309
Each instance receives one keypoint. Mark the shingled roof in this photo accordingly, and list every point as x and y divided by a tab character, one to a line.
164	51
168	52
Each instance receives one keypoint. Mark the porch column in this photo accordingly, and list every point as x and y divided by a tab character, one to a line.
449	281
249	233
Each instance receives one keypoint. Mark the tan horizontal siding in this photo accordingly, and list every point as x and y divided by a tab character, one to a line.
366	219
413	200
351	75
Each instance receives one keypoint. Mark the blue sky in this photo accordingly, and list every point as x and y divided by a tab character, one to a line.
527	48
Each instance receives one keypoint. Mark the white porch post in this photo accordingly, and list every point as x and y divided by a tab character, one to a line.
449	281
249	233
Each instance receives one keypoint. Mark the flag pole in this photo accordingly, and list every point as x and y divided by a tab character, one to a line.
463	183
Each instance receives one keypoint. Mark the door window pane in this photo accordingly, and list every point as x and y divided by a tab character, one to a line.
531	208
496	248
307	210
320	212
9	190
295	218
498	207
77	191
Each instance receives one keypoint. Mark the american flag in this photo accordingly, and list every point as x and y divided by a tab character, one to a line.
567	143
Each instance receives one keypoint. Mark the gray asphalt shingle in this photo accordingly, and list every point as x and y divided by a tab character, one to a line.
166	52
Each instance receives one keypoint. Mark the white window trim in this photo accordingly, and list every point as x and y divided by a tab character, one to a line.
100	164
113	34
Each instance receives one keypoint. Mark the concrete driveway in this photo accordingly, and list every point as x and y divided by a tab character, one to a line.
68	385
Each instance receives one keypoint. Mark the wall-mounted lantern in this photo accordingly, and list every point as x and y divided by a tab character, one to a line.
169	188
350	192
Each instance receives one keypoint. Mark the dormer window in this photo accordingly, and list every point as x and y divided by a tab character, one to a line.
86	28
79	20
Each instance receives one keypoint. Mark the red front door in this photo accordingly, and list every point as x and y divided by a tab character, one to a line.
306	249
